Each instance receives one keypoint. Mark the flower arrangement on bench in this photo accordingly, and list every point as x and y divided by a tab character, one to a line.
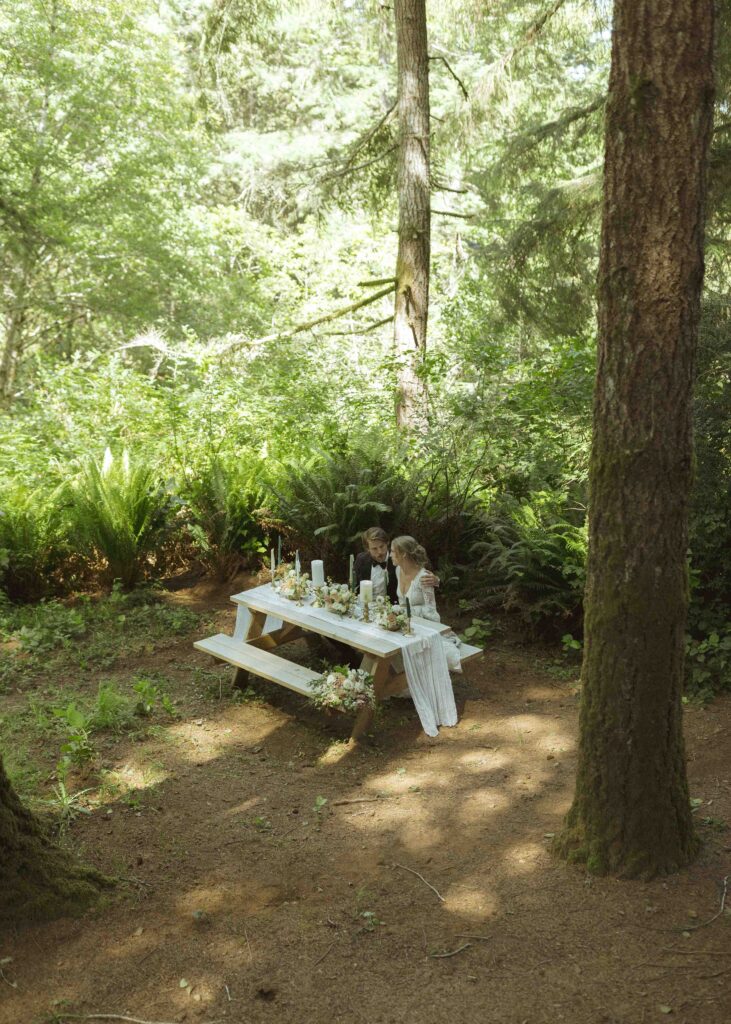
335	597
343	689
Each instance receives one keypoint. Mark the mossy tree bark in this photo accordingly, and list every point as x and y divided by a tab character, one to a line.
631	813
414	243
38	881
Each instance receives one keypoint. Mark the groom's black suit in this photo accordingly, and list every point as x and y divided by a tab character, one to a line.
363	565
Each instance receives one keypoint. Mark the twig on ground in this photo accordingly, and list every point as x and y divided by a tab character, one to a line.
695	927
482	938
113	1016
135	881
358	800
696	952
438	894
716	974
228	994
442	956
320	959
6	979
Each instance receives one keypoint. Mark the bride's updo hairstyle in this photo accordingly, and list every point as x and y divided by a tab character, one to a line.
411	548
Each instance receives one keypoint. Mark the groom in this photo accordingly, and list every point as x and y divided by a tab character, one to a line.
375	564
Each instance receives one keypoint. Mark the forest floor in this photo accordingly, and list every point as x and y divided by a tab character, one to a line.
270	874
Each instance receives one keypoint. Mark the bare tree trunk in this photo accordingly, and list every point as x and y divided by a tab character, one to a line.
631	813
37	879
412	264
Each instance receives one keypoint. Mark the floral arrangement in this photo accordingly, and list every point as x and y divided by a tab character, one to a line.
389	616
343	689
293	585
335	597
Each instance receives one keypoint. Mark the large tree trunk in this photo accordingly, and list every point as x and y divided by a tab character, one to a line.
38	880
412	265
631	813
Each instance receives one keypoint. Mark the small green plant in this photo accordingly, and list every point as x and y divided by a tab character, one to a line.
570	644
478	632
77	748
67	805
261	824
318	809
113	709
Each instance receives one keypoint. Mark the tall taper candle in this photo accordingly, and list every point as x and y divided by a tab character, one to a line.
297	562
279	550
273	565
408	608
351	572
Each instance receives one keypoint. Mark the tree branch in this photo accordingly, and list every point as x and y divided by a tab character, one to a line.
352	170
448	213
281	335
456	77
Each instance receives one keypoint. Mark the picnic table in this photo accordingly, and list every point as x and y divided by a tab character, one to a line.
266	621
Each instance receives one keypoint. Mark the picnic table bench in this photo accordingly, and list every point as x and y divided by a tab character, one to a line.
250	649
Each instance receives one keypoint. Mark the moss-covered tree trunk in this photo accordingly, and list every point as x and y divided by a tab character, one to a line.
414	245
631	813
37	879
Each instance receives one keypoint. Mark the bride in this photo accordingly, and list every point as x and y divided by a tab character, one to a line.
410	560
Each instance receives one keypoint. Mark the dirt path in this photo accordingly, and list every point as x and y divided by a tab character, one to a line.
246	903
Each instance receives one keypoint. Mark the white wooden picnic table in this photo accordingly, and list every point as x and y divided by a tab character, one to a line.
250	649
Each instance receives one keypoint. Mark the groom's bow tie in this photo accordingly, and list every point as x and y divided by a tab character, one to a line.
383	565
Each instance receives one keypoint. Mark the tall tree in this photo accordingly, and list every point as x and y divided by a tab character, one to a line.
631	813
412	264
38	880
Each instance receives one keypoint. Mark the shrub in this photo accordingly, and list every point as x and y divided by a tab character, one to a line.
32	542
222	501
118	512
534	562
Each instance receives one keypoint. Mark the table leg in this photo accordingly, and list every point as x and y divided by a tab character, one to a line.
240	678
380	669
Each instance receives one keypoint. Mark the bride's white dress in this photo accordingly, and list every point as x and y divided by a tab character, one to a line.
424	605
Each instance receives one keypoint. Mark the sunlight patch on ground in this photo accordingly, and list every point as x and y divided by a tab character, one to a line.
482	803
203	740
470	902
130	777
523	858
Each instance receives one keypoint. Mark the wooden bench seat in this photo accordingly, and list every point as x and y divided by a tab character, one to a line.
260	662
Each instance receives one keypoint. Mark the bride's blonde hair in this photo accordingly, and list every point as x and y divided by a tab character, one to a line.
411	548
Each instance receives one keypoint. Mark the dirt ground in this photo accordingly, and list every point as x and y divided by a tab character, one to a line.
421	890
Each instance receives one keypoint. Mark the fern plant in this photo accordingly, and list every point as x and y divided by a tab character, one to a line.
33	541
534	562
118	512
222	501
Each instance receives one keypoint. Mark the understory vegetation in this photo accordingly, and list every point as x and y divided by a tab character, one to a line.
166	413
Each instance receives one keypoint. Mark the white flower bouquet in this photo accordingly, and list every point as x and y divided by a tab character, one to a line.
293	585
389	616
343	689
335	597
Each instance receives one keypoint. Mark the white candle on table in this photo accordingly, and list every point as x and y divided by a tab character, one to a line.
318	572
297	562
366	592
351	573
273	564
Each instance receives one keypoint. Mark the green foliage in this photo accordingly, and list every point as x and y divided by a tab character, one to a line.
77	748
33	541
222	500
118	512
708	663
113	710
535	560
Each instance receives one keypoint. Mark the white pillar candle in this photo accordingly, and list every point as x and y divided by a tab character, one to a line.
318	572
366	592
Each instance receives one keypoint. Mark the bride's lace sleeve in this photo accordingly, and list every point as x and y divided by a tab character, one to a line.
427	608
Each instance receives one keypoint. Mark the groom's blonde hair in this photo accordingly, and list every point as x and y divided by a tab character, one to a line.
374	534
